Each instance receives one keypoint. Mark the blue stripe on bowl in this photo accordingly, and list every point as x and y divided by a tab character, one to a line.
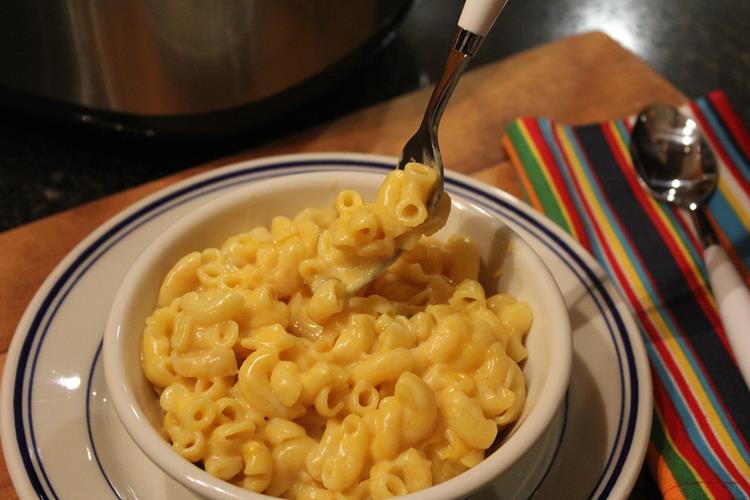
89	427
153	209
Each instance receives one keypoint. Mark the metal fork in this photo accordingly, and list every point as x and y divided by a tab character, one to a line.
477	17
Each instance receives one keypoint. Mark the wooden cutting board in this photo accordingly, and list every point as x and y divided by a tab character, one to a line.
581	79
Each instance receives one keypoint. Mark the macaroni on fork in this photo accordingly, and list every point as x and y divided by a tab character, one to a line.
272	376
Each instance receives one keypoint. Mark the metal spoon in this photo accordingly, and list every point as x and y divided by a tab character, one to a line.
477	17
676	165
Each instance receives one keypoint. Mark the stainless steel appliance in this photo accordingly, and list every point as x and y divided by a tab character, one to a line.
181	66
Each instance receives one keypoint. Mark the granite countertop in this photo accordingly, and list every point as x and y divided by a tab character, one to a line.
48	166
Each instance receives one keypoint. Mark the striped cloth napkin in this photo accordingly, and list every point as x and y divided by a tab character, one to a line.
582	177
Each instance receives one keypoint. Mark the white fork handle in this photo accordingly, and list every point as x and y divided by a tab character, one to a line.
478	16
733	299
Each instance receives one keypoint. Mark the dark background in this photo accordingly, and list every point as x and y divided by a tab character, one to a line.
699	45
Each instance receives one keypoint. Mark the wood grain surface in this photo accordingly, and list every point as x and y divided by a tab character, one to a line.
582	79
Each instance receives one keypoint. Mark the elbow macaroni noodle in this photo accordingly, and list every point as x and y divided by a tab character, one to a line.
271	376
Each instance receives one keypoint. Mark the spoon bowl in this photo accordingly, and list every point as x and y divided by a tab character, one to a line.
672	159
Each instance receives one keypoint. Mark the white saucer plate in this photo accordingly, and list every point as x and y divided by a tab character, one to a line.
62	439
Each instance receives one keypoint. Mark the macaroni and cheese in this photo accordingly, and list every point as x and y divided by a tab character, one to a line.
275	376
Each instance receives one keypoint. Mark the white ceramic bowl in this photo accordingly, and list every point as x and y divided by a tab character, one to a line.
521	273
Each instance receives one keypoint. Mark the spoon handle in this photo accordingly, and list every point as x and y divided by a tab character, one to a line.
733	299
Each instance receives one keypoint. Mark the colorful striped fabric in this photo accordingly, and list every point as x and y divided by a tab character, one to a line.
583	179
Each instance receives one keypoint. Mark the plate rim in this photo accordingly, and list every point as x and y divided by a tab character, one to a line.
633	460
